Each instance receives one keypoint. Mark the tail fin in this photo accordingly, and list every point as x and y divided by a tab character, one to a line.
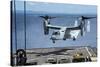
76	23
88	26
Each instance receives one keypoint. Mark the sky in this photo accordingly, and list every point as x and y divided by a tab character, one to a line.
41	7
35	37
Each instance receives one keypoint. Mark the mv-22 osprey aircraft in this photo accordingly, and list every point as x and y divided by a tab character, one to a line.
65	32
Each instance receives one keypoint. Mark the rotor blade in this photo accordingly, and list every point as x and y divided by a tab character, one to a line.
45	17
76	23
42	16
52	17
89	17
88	26
83	18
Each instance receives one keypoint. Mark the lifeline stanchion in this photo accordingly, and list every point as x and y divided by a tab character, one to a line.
15	56
11	6
25	27
15	25
20	56
21	53
25	23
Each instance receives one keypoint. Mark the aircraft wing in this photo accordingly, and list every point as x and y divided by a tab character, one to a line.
73	28
54	27
59	27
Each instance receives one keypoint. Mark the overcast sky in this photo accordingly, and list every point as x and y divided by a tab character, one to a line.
56	8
